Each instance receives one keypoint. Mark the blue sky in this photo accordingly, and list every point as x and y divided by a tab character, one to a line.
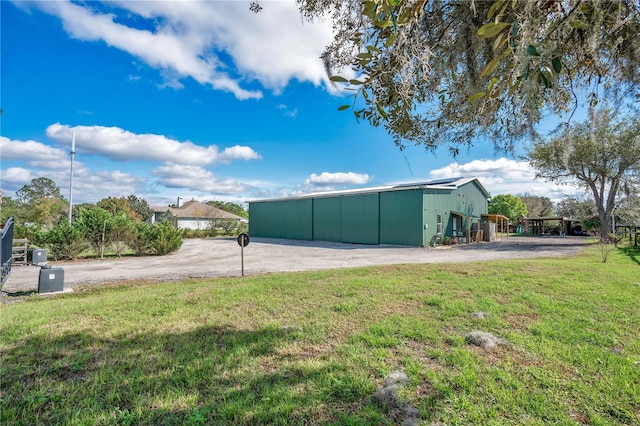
199	100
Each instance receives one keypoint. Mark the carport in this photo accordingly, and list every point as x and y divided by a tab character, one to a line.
501	225
535	225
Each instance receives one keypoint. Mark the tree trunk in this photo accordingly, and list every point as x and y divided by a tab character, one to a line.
604	223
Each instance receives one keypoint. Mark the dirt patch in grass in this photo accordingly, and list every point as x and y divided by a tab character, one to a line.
520	321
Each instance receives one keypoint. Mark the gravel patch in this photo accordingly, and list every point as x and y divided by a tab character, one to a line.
221	257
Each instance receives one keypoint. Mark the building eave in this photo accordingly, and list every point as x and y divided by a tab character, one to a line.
442	184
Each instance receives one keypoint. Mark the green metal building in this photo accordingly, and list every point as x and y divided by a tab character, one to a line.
417	214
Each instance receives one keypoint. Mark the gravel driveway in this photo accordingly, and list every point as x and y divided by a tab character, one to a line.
203	258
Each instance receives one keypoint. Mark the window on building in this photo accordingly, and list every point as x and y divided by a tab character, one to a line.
439	224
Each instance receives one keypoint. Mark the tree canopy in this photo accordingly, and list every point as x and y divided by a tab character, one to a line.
601	154
507	205
230	207
537	206
580	208
628	211
40	201
134	207
443	72
38	188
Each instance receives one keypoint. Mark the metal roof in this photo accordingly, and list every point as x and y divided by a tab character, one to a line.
544	218
444	184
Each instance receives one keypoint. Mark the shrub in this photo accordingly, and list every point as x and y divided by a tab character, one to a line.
607	244
33	233
231	227
166	238
121	230
96	223
141	240
64	241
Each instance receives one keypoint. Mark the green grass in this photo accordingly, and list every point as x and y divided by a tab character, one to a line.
312	348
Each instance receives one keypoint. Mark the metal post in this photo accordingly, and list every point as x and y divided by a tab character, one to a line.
243	240
73	154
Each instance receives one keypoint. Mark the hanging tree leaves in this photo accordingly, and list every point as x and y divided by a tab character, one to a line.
442	72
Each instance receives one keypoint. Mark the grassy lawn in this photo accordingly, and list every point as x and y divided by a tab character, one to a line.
325	348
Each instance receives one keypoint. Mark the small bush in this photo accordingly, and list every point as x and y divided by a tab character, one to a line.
64	241
141	240
607	244
96	223
121	231
31	233
166	238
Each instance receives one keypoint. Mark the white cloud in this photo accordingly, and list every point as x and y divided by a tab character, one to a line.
507	176
14	178
54	163
195	178
93	185
189	39
182	163
238	152
292	113
88	185
121	145
35	153
328	179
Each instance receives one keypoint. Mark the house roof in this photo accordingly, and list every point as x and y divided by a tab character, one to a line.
446	184
196	209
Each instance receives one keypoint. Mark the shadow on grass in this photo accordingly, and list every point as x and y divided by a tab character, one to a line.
211	375
632	252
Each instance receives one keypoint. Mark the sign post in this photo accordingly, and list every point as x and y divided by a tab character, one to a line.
243	241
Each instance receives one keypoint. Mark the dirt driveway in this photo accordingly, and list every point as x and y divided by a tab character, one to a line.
203	258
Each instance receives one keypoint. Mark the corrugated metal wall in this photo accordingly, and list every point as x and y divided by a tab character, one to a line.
299	219
360	220
283	219
466	199
264	220
401	218
327	214
391	217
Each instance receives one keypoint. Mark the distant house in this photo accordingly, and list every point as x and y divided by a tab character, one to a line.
414	214
196	215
